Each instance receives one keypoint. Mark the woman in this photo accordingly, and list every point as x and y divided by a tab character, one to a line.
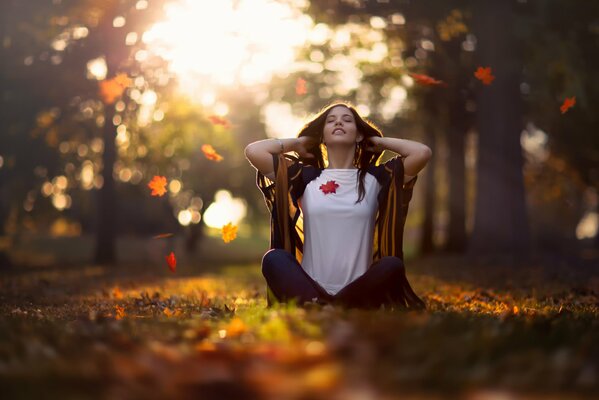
353	212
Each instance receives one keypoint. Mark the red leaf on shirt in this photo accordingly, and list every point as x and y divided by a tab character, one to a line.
329	187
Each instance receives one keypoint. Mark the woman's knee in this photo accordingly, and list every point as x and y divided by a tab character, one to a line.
273	259
392	265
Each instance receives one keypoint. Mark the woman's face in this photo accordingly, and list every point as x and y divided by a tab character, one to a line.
340	127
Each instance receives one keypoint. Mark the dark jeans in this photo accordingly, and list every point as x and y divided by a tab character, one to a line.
380	284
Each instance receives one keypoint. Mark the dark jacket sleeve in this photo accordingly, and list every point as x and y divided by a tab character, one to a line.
280	197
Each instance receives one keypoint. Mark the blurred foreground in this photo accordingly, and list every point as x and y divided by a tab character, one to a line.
491	332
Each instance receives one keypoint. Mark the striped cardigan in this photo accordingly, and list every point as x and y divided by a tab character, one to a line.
286	227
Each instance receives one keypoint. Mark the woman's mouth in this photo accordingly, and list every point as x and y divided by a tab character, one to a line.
338	131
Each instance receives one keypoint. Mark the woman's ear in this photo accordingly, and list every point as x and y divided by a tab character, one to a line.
359	138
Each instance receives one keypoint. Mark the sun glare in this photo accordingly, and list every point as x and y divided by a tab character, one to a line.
210	44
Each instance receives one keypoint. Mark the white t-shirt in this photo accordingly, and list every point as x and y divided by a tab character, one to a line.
338	232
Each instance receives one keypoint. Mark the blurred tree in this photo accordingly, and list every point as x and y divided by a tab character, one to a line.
501	222
561	62
66	127
26	109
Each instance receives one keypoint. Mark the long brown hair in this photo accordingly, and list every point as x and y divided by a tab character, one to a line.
362	158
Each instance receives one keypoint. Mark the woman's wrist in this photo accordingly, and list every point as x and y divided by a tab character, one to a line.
281	145
288	144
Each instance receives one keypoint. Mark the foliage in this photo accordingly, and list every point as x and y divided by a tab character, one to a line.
138	333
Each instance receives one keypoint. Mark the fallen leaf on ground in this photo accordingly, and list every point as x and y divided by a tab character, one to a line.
236	327
170	313
119	312
116	293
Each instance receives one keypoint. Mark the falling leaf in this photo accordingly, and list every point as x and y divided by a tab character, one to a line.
569	102
112	89
485	75
329	187
171	261
158	185
426	80
163	236
229	232
210	153
452	26
300	87
119	312
218	120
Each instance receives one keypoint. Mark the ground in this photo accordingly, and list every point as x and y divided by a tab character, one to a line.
491	331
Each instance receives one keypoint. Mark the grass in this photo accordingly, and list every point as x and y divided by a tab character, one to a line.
490	332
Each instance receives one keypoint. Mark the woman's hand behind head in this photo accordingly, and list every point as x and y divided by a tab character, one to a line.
304	145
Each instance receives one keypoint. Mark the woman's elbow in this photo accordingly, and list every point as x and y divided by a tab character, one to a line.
426	153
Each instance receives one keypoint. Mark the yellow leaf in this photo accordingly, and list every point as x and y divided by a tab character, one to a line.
229	232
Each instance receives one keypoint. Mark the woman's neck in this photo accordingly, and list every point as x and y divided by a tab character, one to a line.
340	158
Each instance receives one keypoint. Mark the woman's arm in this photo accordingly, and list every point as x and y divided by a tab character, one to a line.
260	153
415	155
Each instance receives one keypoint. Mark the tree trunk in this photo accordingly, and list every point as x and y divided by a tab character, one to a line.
501	224
5	12
458	125
106	217
427	245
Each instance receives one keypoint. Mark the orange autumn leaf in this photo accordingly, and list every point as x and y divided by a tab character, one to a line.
229	232
116	293
426	80
568	103
112	89
171	260
119	312
218	120
210	153
236	327
158	185
170	313
300	87
485	75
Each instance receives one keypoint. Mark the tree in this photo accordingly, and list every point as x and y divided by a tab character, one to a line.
501	224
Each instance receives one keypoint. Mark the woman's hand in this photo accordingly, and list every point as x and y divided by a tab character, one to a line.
373	144
304	144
